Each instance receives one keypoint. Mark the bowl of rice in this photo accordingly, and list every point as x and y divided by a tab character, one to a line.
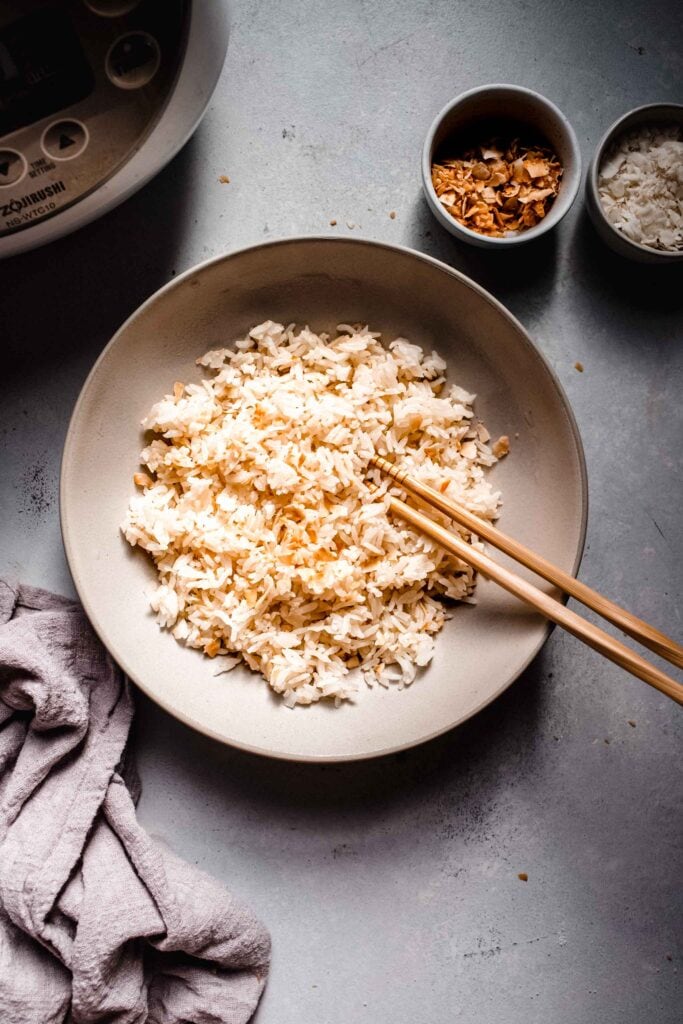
231	542
634	185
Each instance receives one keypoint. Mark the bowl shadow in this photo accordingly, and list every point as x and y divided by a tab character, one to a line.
628	286
467	759
517	276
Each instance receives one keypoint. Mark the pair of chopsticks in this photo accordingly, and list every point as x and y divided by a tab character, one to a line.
554	610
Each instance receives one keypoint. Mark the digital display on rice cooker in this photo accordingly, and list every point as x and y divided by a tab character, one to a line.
42	69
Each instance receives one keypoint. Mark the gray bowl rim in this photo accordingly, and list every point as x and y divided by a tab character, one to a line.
610	136
473	237
69	539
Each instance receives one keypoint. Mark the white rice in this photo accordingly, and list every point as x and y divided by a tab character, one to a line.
270	536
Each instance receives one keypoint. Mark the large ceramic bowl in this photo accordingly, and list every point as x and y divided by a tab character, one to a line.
321	281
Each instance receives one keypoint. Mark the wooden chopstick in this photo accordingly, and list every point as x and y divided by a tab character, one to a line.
554	610
642	631
548	606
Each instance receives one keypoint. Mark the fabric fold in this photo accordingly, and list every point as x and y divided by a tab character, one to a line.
97	921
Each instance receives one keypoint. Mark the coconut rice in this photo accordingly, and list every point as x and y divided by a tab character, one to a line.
271	537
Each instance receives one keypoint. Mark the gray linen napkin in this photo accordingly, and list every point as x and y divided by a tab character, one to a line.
97	921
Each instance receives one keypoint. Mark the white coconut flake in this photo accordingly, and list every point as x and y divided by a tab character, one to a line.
640	184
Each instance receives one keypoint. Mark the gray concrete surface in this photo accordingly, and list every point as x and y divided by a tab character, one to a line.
391	887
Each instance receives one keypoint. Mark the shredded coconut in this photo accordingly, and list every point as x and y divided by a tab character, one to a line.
272	538
641	187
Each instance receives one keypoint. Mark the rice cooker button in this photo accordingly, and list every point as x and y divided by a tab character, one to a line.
64	140
133	60
12	167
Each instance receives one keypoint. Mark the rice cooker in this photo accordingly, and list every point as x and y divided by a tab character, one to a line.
96	96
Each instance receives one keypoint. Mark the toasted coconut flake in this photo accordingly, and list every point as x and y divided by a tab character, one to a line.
535	194
501	447
498	178
537	168
497	190
519	171
481	172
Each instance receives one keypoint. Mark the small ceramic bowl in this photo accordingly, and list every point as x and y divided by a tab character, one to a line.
653	113
503	109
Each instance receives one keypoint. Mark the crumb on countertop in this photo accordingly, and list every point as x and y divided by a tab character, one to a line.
224	179
501	447
578	366
392	214
631	723
333	223
350	224
523	877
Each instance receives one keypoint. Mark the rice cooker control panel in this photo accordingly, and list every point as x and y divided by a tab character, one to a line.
82	82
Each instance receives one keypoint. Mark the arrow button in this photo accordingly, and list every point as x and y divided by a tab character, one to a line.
12	167
65	140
